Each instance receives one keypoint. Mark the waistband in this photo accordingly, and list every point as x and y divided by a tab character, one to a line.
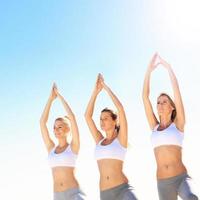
173	178
119	187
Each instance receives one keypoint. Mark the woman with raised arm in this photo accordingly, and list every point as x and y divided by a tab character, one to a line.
111	149
62	157
167	137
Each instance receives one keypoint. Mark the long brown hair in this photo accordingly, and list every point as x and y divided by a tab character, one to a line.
173	115
113	116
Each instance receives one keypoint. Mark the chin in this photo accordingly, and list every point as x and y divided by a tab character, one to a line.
104	129
57	135
161	112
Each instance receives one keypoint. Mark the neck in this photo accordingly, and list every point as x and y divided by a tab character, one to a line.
165	121
62	142
110	134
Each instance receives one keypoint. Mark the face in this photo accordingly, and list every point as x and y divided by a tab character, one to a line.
60	129
106	121
164	106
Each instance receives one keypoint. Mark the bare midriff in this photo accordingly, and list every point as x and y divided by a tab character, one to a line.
63	178
111	173
169	161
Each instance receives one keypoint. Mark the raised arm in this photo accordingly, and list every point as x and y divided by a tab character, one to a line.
43	120
89	112
180	114
122	136
75	144
152	120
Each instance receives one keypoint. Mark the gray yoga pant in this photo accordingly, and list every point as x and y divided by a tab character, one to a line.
69	194
121	192
171	188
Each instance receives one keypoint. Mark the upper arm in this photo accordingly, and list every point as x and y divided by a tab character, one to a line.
122	135
46	138
151	118
93	129
75	144
180	113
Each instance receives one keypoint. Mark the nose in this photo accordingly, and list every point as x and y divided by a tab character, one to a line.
161	104
56	129
102	123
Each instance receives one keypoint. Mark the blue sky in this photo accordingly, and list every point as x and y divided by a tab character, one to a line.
69	42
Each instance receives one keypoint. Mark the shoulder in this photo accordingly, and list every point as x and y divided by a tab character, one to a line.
51	148
74	148
155	127
179	126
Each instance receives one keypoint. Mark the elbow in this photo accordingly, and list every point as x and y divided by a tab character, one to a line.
145	96
42	121
121	108
87	116
184	121
71	116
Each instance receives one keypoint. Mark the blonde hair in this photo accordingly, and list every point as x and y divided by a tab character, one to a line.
63	119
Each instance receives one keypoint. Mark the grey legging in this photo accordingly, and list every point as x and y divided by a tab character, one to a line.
171	188
69	194
121	192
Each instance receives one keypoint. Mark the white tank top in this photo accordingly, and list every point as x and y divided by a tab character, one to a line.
64	159
113	150
169	136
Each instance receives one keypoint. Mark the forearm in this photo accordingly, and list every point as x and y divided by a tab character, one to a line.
146	85
114	98
90	108
66	106
75	131
45	114
174	81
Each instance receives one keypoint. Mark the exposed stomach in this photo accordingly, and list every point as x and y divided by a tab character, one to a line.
169	161
63	178
111	173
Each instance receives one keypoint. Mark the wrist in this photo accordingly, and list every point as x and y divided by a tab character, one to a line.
149	70
168	67
106	87
96	92
50	100
59	96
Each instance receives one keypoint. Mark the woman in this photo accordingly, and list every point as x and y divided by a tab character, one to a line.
110	151
167	137
62	157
